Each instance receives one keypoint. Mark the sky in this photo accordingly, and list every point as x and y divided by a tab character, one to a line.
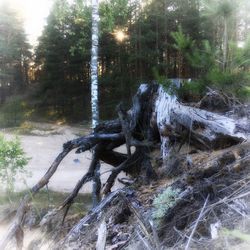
34	14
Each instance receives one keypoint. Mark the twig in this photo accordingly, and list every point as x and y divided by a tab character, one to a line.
236	210
183	236
196	224
156	239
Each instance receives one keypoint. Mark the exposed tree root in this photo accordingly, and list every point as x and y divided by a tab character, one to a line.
154	118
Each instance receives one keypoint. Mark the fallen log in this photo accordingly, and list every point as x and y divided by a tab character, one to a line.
206	130
155	117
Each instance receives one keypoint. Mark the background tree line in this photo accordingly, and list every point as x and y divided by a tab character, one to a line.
14	53
140	41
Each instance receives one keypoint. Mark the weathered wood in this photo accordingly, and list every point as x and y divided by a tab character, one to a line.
156	115
96	189
125	122
206	130
102	234
113	201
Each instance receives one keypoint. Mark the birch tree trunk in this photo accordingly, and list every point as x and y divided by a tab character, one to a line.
94	64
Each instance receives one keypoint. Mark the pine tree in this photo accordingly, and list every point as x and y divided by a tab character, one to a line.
14	52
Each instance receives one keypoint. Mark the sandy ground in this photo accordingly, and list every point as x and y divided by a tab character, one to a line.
43	148
42	145
29	236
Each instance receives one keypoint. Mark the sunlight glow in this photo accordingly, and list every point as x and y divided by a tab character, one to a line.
120	35
33	14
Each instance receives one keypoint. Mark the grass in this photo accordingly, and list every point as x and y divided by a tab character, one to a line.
47	199
27	128
45	129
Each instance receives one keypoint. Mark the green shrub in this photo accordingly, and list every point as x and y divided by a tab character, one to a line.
164	201
193	90
234	79
12	162
12	112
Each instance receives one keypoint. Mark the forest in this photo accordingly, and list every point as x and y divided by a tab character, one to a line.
139	42
168	152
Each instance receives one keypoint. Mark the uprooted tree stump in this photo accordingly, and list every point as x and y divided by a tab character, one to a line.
205	194
156	119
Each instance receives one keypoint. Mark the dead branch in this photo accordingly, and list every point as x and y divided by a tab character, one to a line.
102	234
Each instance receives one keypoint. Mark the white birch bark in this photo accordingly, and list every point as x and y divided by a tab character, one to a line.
94	64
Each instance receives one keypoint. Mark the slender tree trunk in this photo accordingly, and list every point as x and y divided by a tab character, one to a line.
94	64
225	45
94	95
166	56
157	38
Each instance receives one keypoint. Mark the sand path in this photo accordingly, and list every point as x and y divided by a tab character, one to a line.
43	147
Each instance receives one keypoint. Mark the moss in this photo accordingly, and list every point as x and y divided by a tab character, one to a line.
164	201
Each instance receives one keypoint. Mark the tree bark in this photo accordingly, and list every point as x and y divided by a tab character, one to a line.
94	64
206	130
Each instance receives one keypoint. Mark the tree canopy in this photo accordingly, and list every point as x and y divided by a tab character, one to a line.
14	53
139	41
